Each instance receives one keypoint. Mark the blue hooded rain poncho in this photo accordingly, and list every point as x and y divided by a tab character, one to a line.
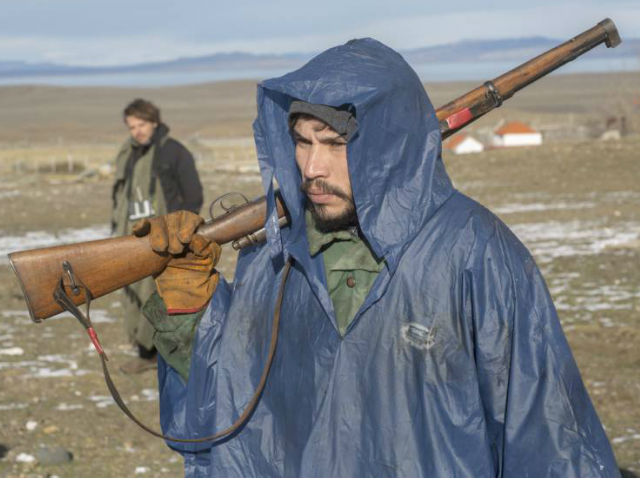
455	365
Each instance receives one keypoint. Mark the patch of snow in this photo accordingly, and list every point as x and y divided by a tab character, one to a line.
626	438
59	358
64	407
102	401
549	240
541	207
10	194
97	316
40	239
625	195
23	364
47	372
13	351
149	394
101	316
15	313
14	406
580	298
141	470
41	368
25	458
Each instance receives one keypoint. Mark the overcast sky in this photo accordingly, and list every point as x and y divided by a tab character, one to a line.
109	32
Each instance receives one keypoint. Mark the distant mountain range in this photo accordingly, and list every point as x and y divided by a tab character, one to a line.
516	50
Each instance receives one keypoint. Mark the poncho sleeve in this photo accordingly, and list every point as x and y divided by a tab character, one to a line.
540	419
186	405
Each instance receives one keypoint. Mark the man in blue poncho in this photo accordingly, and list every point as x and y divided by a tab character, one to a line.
416	335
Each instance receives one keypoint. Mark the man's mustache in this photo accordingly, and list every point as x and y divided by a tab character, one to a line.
323	187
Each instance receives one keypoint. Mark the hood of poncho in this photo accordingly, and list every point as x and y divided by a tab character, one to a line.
395	166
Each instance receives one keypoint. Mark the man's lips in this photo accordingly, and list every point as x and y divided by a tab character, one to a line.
321	197
321	193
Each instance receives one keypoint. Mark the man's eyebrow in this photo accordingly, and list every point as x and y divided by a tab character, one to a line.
335	139
298	136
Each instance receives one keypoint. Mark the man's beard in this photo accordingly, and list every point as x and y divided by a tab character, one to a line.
324	223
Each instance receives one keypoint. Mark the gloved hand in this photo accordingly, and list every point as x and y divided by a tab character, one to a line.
190	278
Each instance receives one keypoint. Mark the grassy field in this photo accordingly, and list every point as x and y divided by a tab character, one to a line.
33	115
575	204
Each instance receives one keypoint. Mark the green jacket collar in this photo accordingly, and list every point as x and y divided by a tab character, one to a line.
351	251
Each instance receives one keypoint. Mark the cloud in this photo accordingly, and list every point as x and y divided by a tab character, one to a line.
561	21
92	51
412	28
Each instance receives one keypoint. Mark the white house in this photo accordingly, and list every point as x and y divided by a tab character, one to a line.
462	143
516	134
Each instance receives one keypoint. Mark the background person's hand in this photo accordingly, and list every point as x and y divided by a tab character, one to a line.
190	278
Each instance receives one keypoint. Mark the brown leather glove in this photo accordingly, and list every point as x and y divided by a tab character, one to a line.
190	278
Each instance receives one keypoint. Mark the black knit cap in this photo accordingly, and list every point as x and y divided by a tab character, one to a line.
341	119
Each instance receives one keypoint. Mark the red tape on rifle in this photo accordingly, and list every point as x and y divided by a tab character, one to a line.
460	118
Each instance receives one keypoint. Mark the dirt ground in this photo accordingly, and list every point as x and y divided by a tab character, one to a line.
575	204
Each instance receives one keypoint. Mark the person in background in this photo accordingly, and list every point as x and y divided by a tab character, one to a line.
155	175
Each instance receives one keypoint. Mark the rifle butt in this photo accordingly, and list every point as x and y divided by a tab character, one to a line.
101	265
112	263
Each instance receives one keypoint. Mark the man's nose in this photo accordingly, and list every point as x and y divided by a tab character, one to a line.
317	163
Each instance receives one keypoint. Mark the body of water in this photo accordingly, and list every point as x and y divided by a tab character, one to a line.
432	72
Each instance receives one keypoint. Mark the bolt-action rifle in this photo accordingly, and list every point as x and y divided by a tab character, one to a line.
54	279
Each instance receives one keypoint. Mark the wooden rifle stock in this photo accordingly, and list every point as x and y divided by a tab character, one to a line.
107	265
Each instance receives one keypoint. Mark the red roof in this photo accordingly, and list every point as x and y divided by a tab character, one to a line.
515	127
455	140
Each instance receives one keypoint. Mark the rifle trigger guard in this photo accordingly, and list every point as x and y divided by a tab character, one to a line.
226	209
493	94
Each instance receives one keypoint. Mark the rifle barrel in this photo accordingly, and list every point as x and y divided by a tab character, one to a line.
472	105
